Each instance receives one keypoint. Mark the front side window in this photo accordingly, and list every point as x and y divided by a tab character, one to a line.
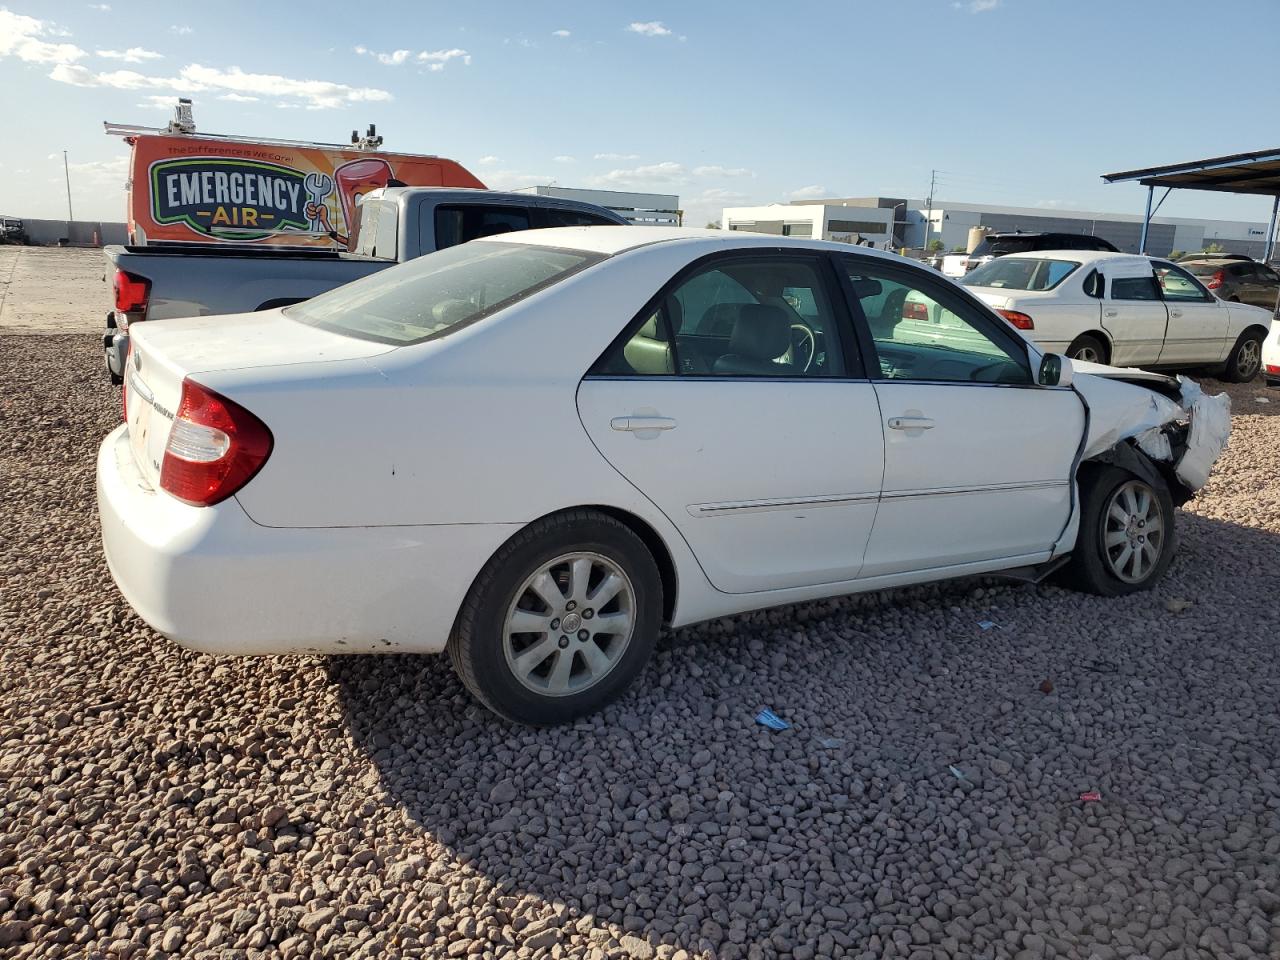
1177	284
1020	273
443	291
748	317
464	222
1266	274
922	331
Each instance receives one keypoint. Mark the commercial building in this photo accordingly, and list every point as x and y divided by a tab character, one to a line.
894	222
646	209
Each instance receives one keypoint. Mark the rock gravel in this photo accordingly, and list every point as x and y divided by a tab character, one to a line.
924	804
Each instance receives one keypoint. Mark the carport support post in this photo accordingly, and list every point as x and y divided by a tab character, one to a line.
1271	231
1146	220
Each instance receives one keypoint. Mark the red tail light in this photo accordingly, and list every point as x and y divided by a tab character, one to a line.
131	292
1272	368
215	447
911	310
1016	319
1217	280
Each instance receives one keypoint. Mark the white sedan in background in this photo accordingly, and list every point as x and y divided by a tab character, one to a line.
535	450
1124	310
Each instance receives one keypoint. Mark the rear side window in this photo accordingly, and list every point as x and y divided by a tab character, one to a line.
559	217
460	223
441	292
1134	288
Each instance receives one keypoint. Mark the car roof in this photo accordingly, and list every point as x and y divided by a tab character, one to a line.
1080	256
614	240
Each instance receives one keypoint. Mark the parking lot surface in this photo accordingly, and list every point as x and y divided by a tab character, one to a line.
925	803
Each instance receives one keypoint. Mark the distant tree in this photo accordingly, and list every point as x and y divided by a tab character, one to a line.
713	225
1174	255
958	248
1214	248
935	245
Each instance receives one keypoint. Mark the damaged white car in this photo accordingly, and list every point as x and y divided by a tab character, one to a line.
535	450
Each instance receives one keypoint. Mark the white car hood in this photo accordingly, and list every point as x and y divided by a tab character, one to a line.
1120	409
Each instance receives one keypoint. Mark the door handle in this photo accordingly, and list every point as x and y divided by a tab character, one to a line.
910	423
1111	314
1175	313
642	424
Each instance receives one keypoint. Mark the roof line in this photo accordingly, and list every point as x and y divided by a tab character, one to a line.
1194	165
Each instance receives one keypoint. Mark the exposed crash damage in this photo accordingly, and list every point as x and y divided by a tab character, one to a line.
1145	421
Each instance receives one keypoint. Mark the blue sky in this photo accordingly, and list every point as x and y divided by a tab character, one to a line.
1019	102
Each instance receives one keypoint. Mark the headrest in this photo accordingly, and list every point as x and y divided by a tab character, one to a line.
761	332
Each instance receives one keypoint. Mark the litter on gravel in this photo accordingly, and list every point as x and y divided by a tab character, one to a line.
767	718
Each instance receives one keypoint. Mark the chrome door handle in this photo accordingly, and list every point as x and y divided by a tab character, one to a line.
642	424
910	423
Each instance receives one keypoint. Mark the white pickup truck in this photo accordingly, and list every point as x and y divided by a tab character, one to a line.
1122	309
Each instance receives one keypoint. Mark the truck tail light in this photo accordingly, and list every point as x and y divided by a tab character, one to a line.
215	447
131	292
1016	319
1217	280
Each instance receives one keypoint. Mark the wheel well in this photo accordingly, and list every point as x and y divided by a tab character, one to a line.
281	302
661	555
1101	337
1258	328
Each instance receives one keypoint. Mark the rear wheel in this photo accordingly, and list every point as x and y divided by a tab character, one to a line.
1126	538
1087	348
1246	359
560	621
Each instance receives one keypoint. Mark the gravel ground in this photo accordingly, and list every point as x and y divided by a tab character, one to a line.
925	803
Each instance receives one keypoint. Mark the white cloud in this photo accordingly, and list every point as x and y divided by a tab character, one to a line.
104	7
977	6
111	172
436	60
617	156
560	33
510	179
666	172
312	94
393	59
715	170
157	101
132	55
811	192
238	98
181	30
653	28
20	37
490	159
564	158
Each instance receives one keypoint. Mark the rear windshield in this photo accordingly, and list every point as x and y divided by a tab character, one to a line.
1202	269
1020	273
1000	246
441	292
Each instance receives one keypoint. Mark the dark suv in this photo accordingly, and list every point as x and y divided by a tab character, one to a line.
1240	281
1001	244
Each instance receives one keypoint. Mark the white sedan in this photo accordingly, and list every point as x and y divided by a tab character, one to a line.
535	450
1122	309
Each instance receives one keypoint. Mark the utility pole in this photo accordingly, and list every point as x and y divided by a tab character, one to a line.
66	169
928	219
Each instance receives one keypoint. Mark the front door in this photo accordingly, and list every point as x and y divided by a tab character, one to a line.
1198	321
738	406
978	459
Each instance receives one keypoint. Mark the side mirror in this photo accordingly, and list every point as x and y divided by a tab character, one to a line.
1055	371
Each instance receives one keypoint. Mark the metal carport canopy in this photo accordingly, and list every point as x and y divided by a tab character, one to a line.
1255	173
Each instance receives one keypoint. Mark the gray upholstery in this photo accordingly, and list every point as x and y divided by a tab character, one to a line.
760	335
648	353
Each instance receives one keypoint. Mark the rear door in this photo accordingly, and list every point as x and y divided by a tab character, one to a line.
454	223
1198	321
737	403
1133	313
978	459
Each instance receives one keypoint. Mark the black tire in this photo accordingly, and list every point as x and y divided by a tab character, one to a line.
478	647
1246	357
1092	567
1088	348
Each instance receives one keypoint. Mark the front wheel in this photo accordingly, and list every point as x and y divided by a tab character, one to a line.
560	621
1126	538
1246	358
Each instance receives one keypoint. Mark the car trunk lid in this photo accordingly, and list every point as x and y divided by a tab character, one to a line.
164	353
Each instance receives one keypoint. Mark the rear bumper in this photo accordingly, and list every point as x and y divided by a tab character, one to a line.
211	579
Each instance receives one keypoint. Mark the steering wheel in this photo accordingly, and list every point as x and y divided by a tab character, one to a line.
802	349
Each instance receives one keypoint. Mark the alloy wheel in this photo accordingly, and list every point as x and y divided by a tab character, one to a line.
1132	531
1249	359
569	624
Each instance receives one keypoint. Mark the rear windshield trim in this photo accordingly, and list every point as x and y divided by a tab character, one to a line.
589	259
